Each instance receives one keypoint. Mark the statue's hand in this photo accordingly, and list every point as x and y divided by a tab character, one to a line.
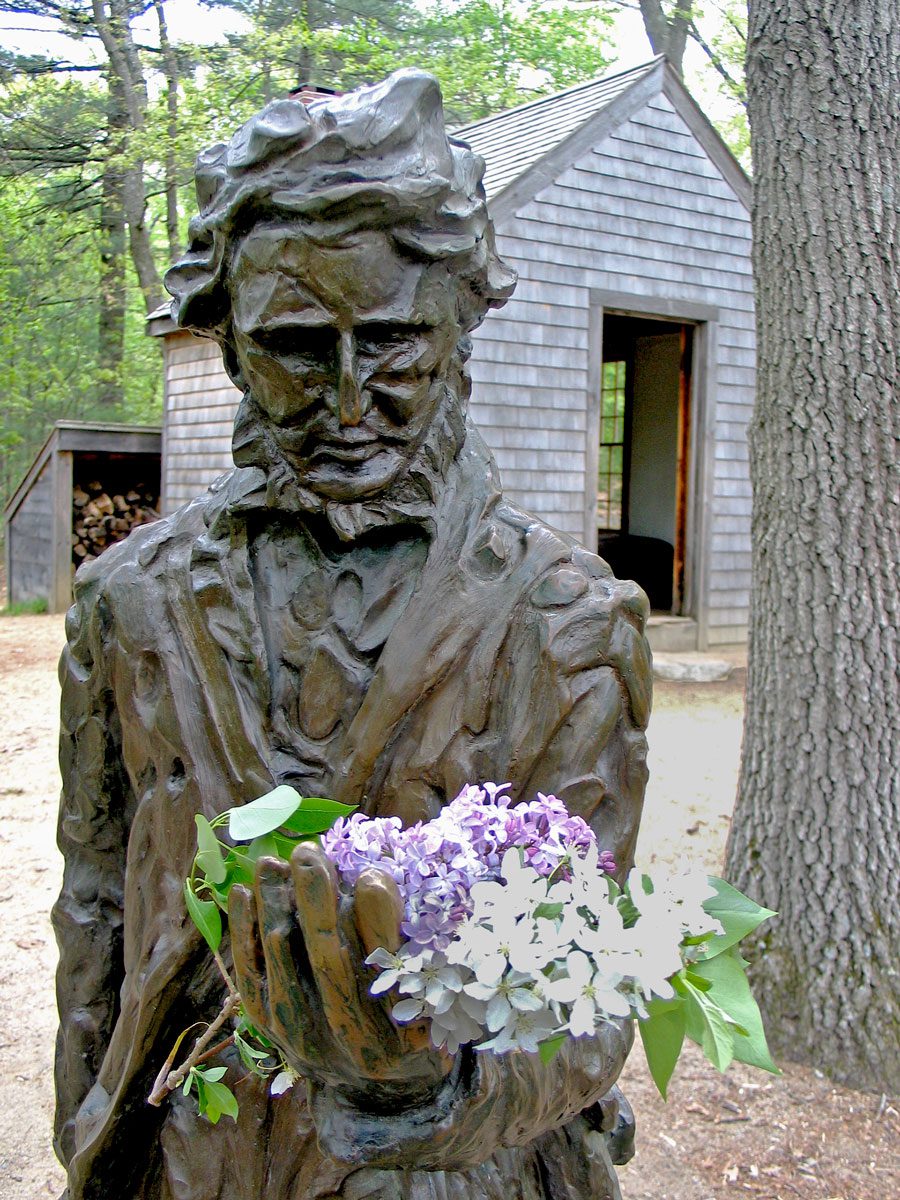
298	947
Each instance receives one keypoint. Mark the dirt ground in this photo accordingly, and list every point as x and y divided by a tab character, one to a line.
719	1137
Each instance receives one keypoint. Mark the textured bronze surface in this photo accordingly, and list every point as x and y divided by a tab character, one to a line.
354	610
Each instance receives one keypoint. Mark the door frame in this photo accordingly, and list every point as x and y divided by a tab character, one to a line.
701	435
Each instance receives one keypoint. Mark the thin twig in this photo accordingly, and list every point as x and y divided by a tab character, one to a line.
216	1049
167	1081
223	970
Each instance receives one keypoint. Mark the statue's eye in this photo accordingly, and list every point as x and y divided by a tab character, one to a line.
313	346
392	346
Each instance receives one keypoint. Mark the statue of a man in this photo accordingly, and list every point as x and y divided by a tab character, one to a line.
356	611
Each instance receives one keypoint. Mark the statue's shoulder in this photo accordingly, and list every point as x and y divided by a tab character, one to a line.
561	574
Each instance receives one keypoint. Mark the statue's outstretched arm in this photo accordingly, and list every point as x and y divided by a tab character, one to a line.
92	836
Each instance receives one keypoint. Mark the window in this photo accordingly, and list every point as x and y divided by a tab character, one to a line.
611	470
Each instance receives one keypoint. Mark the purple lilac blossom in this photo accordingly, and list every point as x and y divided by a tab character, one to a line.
435	863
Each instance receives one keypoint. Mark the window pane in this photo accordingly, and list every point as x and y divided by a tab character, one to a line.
610	477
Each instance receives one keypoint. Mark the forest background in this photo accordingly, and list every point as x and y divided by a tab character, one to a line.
103	110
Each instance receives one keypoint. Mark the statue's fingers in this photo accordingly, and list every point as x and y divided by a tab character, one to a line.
247	951
294	1005
359	1026
377	913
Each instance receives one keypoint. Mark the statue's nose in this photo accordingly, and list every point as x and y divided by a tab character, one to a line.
350	406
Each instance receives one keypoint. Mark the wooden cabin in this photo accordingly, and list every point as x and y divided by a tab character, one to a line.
616	385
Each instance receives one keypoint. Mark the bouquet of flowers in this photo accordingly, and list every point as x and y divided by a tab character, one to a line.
517	935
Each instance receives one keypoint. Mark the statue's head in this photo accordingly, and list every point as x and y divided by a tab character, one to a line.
342	254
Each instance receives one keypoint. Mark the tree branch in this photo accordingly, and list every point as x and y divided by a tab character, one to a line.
716	61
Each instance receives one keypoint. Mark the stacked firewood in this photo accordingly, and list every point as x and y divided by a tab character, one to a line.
99	519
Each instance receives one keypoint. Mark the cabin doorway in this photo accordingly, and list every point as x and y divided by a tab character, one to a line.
642	478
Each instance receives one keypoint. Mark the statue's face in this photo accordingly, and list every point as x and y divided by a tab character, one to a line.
344	348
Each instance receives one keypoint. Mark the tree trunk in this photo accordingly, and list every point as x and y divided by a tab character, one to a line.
111	20
816	830
668	34
111	317
170	70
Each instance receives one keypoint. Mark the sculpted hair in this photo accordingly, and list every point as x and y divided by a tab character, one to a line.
378	158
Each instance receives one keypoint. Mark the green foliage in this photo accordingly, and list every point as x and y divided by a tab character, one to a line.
738	915
493	54
713	1004
550	1047
662	1034
214	1099
273	824
49	361
721	31
726	974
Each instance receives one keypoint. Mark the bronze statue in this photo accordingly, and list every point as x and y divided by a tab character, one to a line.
356	611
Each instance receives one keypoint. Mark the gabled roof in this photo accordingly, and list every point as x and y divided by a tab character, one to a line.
512	142
527	147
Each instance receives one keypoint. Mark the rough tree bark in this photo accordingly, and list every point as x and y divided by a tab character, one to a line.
817	827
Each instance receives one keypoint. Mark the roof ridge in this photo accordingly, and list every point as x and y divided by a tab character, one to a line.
641	68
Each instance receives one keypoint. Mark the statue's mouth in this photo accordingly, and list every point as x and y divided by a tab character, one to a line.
346	451
351	444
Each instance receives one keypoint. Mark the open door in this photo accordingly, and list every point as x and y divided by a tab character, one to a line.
645	426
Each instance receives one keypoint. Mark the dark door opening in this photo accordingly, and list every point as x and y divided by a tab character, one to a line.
643	454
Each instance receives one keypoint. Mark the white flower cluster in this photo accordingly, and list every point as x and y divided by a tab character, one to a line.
538	957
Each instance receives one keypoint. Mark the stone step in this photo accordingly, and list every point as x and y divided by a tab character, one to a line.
668	634
691	668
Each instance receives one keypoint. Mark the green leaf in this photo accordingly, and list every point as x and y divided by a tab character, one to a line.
708	1026
284	845
264	814
239	867
211	1074
739	915
210	859
263	847
250	1056
205	1103
551	911
220	1101
697	980
662	1032
244	1027
205	916
549	1049
731	991
315	815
